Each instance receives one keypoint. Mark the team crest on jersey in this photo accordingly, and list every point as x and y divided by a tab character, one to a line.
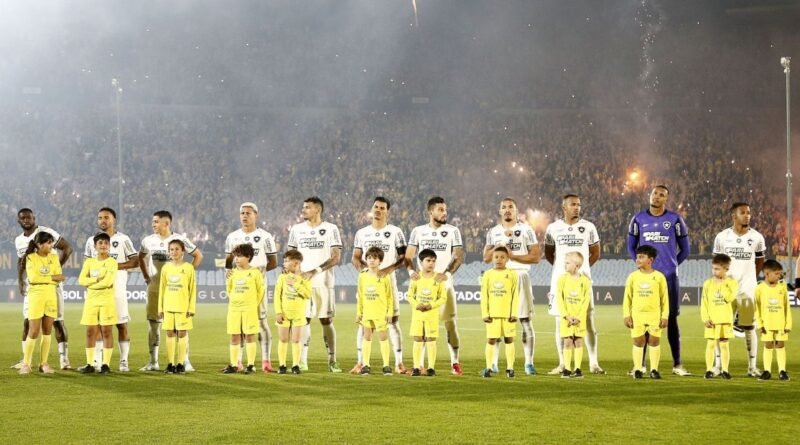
256	238
517	232
444	233
749	242
241	281
94	273
321	232
644	285
498	285
773	301
174	279
371	289
386	234
581	229
574	293
115	243
667	225
44	270
426	292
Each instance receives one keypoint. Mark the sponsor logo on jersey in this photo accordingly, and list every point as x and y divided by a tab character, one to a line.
498	285
434	245
311	243
574	293
569	240
773	301
174	279
655	237
512	246
377	243
644	285
738	253
372	289
426	292
241	281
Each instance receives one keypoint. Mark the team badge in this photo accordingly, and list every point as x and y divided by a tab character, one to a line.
644	285
444	233
371	289
517	232
749	242
44	270
426	292
667	225
115	243
386	234
256	238
174	279
773	301
321	231
574	293
498	285
241	282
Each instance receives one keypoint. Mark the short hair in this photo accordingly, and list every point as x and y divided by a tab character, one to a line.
178	242
434	201
503	249
109	210
721	259
569	195
772	266
383	200
662	186
315	200
102	236
244	250
509	199
735	206
293	254
163	214
577	255
426	253
24	210
648	250
374	251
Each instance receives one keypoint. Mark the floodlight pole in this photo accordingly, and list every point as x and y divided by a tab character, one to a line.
786	64
118	93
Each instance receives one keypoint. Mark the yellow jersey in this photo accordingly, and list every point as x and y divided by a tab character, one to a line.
106	271
499	293
426	291
290	300
646	298
40	270
177	290
245	289
716	301
573	295
772	307
375	297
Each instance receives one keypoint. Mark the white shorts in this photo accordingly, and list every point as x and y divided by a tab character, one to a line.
449	310
526	309
322	303
59	300
121	301
552	307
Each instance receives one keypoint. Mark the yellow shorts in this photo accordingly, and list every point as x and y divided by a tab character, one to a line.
245	322
640	329
500	327
424	328
42	306
101	312
177	321
719	331
293	323
379	325
578	330
775	336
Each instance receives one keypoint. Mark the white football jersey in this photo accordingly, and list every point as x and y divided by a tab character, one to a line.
389	239
262	241
21	242
441	240
518	239
743	251
121	249
157	250
316	244
568	238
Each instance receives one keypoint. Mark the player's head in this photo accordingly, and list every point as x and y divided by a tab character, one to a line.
427	260
380	209
658	196
573	261
720	264
26	219
571	205
243	251
374	256
740	213
645	255
106	219
437	209
162	220
291	260
508	210
176	249
312	208
43	243
773	271
500	257
248	212
101	242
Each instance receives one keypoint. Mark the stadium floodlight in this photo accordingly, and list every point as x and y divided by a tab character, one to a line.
786	64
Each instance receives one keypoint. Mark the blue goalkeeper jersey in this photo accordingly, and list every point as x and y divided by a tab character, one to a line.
667	233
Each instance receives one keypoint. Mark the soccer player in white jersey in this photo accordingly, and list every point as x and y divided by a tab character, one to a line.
523	250
445	240
27	221
153	254
265	258
321	246
121	249
392	242
572	234
747	250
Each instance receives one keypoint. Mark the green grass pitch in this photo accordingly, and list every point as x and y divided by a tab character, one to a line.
209	407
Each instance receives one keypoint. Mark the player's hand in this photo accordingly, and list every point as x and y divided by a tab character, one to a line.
389	319
663	323
147	280
160	315
414	275
291	279
307	275
428	306
512	319
358	320
763	331
440	278
383	272
628	322
487	320
228	273
279	318
189	314
22	290
709	324
787	330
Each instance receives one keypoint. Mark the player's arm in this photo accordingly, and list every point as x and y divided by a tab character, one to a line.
401	261
760	257
64	250
532	257
457	261
132	263
197	257
356	259
633	238
550	253
594	253
411	252
21	275
142	259
272	261
683	239
487	253
229	261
